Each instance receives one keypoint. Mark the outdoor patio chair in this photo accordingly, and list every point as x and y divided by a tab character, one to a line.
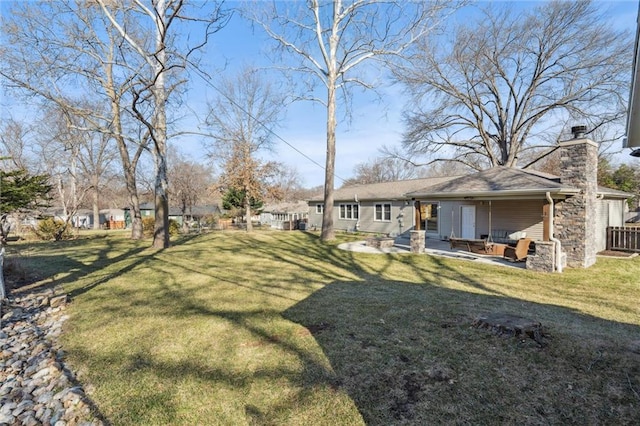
519	252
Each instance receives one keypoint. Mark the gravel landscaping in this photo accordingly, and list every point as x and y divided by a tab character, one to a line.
37	387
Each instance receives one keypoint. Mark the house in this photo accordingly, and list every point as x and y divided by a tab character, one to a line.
195	213
285	216
632	217
567	216
380	208
504	199
113	218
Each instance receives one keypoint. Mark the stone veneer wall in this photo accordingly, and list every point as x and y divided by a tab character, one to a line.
544	259
417	241
575	217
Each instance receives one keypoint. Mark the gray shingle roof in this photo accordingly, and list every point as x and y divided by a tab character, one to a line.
504	181
287	207
383	190
497	181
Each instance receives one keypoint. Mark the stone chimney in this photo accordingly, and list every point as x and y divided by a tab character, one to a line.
576	216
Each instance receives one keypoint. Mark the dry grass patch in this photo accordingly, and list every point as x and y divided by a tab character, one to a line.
276	328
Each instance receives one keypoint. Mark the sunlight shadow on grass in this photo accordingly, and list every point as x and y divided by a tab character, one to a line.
407	354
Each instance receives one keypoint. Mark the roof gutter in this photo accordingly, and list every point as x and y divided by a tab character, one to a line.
496	193
557	245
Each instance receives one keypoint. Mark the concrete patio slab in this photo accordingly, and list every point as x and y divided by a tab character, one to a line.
433	247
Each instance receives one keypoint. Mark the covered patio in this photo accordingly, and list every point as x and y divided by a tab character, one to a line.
433	247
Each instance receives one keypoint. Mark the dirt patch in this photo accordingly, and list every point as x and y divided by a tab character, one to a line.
16	275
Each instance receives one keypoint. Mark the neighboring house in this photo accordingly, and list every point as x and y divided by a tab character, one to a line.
285	216
113	218
83	218
195	213
379	208
632	217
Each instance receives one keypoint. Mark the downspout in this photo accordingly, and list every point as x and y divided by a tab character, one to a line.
558	247
356	227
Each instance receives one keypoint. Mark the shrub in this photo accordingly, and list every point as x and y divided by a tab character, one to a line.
148	224
174	227
210	220
52	229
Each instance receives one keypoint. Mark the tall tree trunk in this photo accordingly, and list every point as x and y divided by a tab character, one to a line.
134	209
328	232
95	202
247	211
129	169
128	166
161	229
60	187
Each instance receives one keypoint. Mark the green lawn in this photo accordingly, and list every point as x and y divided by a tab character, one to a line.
276	328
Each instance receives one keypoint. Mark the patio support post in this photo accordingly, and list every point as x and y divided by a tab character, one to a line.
417	241
418	216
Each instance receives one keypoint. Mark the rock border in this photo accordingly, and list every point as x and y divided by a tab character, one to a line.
37	387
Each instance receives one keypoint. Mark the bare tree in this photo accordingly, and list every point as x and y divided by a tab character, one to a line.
95	162
382	169
165	58
287	185
190	182
14	144
333	41
242	121
61	144
509	81
127	52
88	55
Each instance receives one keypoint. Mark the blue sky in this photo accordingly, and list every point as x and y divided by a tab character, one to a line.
375	120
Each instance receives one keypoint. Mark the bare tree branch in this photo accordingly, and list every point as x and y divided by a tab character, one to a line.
331	40
508	78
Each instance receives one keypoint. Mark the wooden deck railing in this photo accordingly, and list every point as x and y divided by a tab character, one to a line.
626	239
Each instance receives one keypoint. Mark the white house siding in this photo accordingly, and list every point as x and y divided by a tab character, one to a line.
515	215
449	219
616	212
519	215
315	219
401	217
608	213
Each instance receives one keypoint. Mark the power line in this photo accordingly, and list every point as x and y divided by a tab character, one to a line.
207	80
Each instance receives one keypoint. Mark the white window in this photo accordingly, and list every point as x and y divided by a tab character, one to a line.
382	213
349	211
319	208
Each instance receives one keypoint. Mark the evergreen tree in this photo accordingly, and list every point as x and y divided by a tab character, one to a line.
234	200
623	178
18	191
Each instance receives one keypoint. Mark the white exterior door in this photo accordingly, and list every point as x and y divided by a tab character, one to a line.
468	222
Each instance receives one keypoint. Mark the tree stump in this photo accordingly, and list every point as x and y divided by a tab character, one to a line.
511	325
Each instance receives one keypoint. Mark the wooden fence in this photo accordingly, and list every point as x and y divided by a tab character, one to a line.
625	239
